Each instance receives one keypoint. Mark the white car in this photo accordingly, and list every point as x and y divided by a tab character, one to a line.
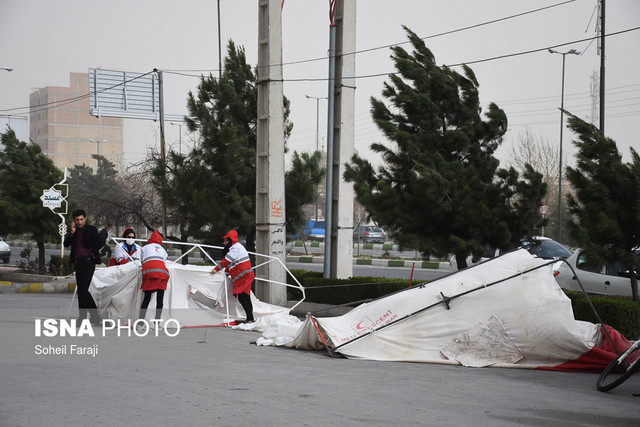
609	279
539	247
5	251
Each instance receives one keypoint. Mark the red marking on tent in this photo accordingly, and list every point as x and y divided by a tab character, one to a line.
318	330
596	359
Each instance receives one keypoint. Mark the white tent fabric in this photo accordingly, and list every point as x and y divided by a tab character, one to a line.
524	320
194	297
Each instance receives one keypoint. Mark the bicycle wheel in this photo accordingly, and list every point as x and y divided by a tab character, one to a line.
619	370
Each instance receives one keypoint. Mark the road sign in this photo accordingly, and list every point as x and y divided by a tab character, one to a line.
51	198
544	209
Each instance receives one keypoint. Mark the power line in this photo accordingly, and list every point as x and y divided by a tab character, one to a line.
72	100
64	102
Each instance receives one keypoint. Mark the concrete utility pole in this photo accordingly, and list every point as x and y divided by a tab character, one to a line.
602	58
270	213
162	150
341	194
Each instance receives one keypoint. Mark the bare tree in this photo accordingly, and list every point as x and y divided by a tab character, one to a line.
544	157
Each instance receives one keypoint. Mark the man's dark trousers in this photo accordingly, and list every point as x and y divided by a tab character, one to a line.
84	272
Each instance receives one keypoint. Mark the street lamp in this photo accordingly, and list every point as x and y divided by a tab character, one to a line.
6	68
564	54
98	141
317	98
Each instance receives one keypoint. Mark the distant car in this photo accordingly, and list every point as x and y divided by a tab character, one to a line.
5	251
539	246
314	230
369	234
608	279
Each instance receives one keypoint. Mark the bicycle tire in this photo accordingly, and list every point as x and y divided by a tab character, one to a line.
619	370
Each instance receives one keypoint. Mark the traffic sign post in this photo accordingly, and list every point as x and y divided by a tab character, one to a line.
53	199
544	209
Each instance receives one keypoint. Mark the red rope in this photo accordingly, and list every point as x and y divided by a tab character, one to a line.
318	330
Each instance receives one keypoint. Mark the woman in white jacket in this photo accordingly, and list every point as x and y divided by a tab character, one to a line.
128	250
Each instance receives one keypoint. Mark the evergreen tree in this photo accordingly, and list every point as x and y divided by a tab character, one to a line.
439	189
606	200
25	172
213	188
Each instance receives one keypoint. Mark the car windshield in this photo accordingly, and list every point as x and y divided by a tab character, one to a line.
546	249
319	224
554	249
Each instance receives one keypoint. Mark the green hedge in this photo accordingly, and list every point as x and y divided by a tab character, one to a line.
620	314
343	291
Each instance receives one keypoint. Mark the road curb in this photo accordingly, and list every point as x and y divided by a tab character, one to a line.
433	265
61	285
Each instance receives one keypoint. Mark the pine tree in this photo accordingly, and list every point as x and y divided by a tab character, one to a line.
25	172
439	189
606	200
213	188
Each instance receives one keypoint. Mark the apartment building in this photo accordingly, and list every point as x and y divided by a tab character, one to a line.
60	123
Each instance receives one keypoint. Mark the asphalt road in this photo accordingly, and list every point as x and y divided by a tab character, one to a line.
419	274
215	376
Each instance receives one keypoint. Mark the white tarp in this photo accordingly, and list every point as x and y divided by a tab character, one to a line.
193	296
525	320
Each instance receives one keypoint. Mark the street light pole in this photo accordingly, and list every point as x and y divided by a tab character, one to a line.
98	141
317	98
564	54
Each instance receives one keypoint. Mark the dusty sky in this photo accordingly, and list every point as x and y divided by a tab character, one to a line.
45	40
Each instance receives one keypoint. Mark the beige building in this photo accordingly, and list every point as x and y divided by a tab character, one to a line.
60	123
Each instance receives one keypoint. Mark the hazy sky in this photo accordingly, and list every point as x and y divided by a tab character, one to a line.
45	40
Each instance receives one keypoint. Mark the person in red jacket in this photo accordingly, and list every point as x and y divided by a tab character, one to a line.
236	262
155	273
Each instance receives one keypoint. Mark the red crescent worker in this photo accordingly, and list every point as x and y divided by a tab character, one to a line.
155	273
236	262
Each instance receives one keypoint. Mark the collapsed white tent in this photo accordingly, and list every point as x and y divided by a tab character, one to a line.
194	297
505	312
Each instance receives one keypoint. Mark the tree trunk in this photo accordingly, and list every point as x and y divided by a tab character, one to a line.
461	260
41	255
184	248
634	285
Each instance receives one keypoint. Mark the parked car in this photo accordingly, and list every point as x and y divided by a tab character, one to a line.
5	251
539	246
314	230
545	248
599	278
369	234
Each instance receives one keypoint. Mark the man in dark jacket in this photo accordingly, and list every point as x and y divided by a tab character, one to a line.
85	242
